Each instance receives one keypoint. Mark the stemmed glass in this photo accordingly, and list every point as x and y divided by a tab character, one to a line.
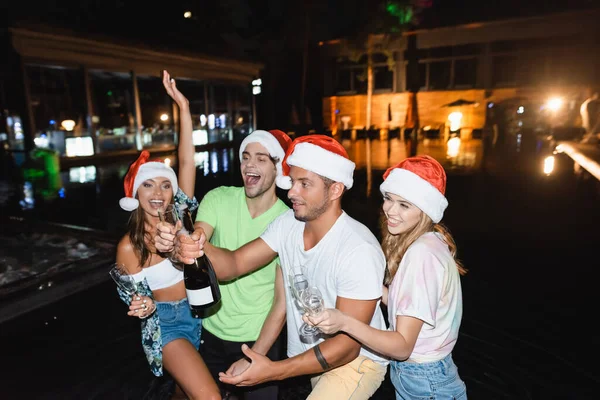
172	215
308	299
124	281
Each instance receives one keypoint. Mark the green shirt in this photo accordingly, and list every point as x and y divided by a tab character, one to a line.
245	301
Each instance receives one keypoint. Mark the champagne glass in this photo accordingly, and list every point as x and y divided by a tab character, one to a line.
171	215
124	281
308	299
311	301
297	283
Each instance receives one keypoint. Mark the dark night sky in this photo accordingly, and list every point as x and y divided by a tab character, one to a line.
269	31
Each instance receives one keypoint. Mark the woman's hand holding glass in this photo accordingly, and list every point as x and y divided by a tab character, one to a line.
329	320
141	306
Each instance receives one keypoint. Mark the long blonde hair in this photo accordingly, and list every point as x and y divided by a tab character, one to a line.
395	246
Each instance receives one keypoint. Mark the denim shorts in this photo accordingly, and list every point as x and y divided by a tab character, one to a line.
427	381
176	322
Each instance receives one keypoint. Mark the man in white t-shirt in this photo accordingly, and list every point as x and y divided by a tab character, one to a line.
341	257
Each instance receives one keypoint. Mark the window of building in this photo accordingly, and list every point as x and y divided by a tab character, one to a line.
383	79
351	77
114	109
440	73
465	73
58	104
504	70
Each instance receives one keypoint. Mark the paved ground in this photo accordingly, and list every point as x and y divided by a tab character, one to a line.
529	240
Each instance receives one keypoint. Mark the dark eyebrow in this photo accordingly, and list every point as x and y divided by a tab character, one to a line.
301	179
258	154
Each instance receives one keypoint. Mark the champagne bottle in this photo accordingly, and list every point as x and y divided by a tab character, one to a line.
201	284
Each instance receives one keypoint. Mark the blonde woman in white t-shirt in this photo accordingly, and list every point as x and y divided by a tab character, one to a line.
424	298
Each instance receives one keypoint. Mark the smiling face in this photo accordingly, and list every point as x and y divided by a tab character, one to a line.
258	170
154	195
309	194
401	214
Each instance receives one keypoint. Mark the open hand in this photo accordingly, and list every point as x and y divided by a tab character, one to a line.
238	367
172	90
261	370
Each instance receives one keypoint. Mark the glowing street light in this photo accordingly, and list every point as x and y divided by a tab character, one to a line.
187	14
68	124
554	104
455	119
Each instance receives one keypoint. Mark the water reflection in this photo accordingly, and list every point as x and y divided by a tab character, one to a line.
455	154
82	174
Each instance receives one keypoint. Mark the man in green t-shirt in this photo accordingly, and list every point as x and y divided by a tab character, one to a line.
231	217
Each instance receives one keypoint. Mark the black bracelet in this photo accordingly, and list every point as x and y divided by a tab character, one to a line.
321	359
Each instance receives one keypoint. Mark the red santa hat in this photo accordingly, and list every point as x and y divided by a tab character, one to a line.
276	142
320	154
139	171
421	180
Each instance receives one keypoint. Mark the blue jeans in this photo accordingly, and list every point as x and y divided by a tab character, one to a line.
428	381
176	322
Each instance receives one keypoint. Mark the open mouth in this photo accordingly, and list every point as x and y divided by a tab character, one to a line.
156	204
251	178
393	222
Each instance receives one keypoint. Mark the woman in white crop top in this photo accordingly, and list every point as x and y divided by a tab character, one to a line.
170	334
424	298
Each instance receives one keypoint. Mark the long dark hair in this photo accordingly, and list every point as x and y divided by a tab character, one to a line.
139	235
395	246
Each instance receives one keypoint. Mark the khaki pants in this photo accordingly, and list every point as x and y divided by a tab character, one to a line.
356	380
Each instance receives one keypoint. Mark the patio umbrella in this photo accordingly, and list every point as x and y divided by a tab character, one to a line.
412	112
294	117
460	102
307	116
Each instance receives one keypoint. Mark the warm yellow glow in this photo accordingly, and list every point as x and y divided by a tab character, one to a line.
555	103
68	124
453	147
427	128
548	165
164	117
455	119
168	162
187	14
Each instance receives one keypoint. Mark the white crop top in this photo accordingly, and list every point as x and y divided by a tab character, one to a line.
160	276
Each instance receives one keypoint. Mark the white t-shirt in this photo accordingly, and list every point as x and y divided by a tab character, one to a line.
347	262
427	286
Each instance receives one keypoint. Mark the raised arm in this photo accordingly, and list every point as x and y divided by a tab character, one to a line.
185	150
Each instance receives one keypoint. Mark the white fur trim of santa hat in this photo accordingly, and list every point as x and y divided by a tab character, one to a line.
273	147
147	171
323	162
417	191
